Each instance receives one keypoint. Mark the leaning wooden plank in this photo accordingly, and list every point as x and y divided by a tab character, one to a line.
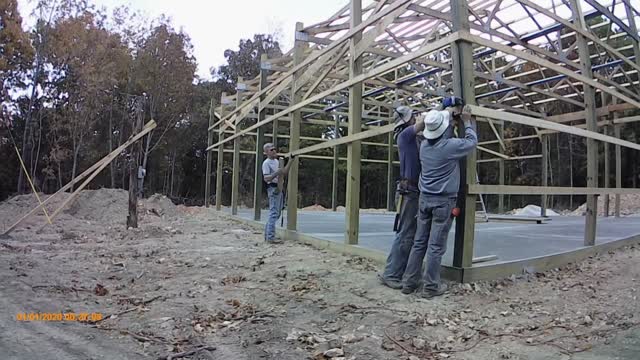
107	159
75	194
545	190
555	67
436	45
525	120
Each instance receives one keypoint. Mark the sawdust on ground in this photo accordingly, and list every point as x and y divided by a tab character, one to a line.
192	277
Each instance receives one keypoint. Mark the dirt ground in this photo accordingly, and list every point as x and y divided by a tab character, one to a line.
191	278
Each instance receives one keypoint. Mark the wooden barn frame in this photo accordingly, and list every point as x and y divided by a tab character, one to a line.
350	70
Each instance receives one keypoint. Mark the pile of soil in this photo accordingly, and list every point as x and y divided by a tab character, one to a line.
314	207
160	205
13	209
107	205
104	205
629	205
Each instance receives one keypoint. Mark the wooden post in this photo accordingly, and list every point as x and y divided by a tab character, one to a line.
618	127
390	187
632	25
352	211
501	173
463	85
606	100
545	172
207	181
235	177
220	162
134	163
592	125
617	132
294	134
257	183
334	180
607	171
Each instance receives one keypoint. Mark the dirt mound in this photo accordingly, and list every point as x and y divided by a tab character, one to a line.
13	209
629	205
106	205
160	205
314	207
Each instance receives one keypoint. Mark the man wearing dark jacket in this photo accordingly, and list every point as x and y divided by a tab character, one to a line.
405	134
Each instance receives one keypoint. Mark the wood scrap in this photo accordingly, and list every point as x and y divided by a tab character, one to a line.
187	353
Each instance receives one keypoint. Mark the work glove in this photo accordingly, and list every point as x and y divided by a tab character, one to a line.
452	101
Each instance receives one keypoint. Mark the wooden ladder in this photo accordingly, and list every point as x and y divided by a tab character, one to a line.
482	214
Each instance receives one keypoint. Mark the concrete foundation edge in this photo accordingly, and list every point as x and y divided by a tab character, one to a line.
476	273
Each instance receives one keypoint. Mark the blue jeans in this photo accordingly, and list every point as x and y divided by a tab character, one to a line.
406	230
434	223
275	208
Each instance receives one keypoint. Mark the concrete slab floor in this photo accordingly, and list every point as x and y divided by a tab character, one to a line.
508	241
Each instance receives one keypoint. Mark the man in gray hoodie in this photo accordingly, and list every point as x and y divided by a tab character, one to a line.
439	182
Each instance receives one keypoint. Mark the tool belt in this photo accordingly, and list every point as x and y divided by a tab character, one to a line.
406	186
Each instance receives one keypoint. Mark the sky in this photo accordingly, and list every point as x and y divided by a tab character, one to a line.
217	25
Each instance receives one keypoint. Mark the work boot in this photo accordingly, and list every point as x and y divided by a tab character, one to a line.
394	284
407	290
428	294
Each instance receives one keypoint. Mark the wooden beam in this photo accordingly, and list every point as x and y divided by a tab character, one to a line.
592	123
581	29
257	181
544	124
501	175
513	158
235	171
346	37
581	115
429	48
464	87
546	190
557	68
370	36
607	173
605	11
545	173
220	162
334	177
496	153
294	134
618	150
352	208
207	177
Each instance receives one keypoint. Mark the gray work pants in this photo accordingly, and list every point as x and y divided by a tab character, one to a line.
434	223
406	230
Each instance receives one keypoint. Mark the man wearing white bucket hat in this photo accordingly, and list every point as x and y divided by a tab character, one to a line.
439	182
405	134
